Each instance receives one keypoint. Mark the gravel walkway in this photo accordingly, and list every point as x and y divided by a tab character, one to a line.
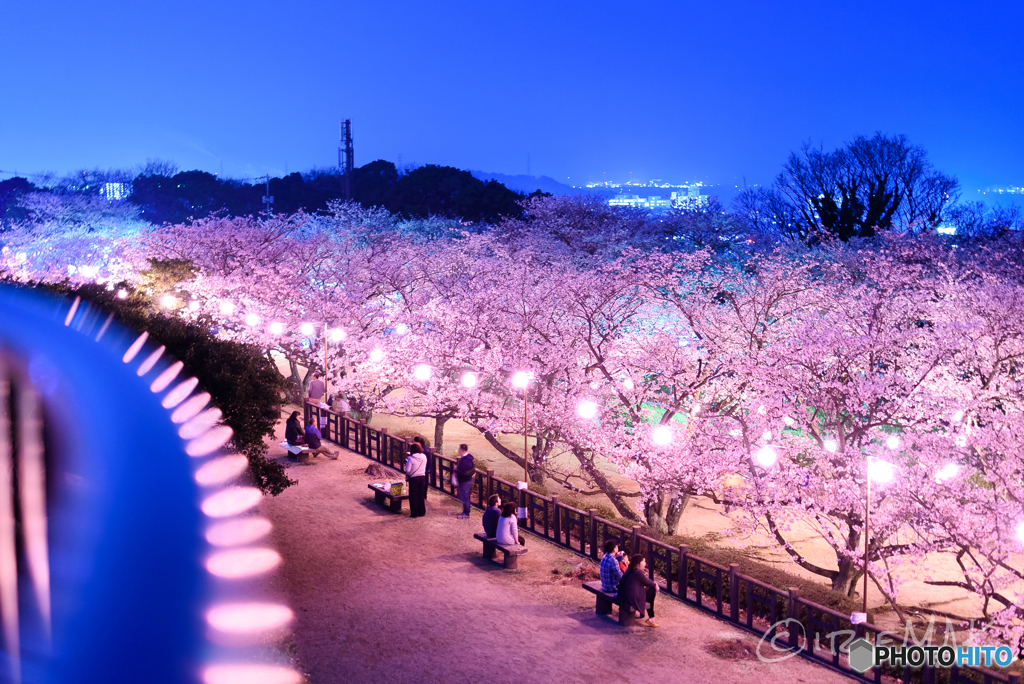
380	597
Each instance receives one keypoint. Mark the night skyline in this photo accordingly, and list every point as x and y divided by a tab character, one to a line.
677	92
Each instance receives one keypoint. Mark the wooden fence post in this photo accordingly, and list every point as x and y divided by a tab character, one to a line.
1013	678
634	545
490	483
592	513
684	551
734	592
927	674
791	613
557	520
384	444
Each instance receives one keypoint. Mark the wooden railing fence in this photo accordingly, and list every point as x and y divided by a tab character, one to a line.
771	613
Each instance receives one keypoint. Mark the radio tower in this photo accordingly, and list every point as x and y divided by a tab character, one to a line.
346	147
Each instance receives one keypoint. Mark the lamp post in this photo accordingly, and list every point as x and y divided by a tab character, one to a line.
881	472
522	381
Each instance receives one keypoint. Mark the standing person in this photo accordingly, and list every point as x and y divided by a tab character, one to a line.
464	471
611	571
491	516
508	527
429	453
313	437
317	389
636	589
416	473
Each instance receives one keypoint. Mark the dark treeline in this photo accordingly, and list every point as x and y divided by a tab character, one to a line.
166	195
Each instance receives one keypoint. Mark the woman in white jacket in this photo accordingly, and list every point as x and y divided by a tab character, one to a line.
508	527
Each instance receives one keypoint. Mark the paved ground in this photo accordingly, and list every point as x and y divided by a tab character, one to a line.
384	598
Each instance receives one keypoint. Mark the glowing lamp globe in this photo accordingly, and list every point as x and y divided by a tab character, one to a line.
893	442
947	472
306	329
337	335
628	384
168	301
587	410
401	328
767	434
521	379
122	294
252	319
276	328
881	471
421	372
662	435
766	457
831	446
376	356
469	380
227	308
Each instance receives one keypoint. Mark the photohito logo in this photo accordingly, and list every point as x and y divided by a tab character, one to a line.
864	655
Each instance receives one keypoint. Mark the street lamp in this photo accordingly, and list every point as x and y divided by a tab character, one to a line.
306	329
469	379
376	356
766	456
587	410
881	472
227	308
421	372
252	320
521	380
662	435
276	328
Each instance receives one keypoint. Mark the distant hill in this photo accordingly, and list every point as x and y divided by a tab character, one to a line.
529	184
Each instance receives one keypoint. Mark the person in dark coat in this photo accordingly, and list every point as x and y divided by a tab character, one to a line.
491	516
293	430
464	471
636	589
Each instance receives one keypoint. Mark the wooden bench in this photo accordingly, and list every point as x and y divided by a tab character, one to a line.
605	601
512	553
380	495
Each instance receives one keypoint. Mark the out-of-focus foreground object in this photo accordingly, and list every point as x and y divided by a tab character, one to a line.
128	551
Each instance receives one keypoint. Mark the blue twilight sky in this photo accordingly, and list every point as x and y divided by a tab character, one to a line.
716	90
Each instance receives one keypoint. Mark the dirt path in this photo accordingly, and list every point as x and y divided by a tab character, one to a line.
384	598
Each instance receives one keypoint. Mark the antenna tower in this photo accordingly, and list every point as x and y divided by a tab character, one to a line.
346	167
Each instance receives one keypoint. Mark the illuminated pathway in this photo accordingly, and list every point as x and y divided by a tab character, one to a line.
380	597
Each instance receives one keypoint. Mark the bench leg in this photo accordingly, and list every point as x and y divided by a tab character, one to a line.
511	561
378	497
488	551
396	505
626	617
604	606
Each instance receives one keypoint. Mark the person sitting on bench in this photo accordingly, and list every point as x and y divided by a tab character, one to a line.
491	516
313	437
636	589
507	533
611	572
293	430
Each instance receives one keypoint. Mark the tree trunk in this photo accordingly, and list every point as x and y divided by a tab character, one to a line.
849	566
664	510
439	421
296	388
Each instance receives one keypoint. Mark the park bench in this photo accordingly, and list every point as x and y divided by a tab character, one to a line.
394	502
605	601
299	452
512	553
